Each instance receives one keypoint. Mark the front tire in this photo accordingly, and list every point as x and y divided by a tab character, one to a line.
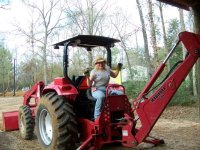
25	122
56	125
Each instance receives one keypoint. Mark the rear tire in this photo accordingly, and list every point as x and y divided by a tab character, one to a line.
25	122
56	125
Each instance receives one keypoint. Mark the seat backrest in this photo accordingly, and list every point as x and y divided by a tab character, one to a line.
78	80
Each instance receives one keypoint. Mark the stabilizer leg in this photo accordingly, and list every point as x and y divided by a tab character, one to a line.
154	141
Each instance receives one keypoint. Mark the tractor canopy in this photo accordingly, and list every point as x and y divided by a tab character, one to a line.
87	42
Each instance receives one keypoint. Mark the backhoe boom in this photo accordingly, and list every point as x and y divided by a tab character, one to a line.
150	108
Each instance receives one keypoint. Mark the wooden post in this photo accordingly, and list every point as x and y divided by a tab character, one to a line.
196	13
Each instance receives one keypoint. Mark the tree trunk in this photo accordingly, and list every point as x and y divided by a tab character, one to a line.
194	69
164	33
33	51
44	21
8	82
136	41
189	77
123	34
90	58
197	30
153	33
125	50
194	80
4	82
182	28
128	61
45	58
146	52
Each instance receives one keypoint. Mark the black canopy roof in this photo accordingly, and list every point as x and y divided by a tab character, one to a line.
89	41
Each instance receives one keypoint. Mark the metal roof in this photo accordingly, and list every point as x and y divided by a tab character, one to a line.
88	41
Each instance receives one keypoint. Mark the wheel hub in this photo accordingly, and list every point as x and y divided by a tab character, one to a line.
45	127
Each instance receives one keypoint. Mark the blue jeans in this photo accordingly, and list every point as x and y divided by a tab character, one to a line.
99	95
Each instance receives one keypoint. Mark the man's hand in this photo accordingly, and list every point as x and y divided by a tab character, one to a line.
94	89
119	66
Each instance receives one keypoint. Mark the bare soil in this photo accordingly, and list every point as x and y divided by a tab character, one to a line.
178	126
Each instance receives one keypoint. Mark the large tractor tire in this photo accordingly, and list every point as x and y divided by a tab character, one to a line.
25	122
56	125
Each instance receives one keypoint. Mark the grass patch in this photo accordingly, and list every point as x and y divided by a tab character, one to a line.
10	94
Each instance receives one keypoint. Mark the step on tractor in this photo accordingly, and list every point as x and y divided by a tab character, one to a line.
61	112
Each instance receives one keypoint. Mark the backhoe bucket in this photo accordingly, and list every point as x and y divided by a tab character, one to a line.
10	120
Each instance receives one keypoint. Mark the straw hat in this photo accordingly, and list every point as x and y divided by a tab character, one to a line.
99	59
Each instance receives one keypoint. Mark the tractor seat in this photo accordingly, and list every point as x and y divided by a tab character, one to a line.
77	80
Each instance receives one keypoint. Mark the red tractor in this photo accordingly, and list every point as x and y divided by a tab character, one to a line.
62	110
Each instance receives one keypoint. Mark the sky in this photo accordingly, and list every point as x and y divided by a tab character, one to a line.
18	12
7	17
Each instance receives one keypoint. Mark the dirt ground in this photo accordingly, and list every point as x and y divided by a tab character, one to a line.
178	126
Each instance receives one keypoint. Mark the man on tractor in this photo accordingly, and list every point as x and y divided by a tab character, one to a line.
99	79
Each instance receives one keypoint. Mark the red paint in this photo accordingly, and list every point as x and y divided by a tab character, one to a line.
10	120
